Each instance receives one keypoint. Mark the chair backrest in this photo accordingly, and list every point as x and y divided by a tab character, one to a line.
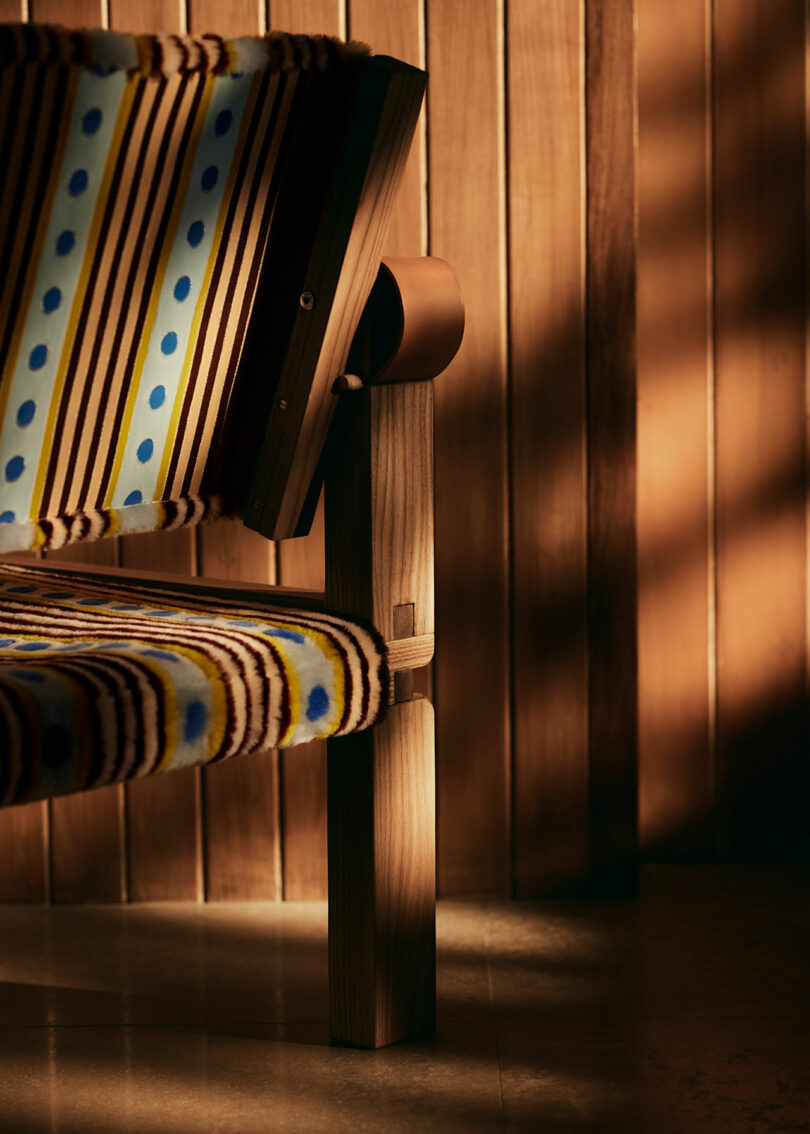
188	231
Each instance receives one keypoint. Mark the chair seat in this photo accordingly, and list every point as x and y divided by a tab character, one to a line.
103	681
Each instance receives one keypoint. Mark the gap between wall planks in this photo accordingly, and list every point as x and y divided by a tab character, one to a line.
760	187
611	425
675	479
546	53
466	191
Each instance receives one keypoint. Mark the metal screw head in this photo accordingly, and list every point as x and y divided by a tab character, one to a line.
282	403
307	300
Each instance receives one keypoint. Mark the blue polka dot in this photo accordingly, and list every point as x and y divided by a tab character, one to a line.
56	595
28	675
14	468
240	622
195	233
209	178
126	606
157	397
145	450
6	642
222	123
168	344
38	357
92	602
21	590
7	517
29	647
25	414
91	121
162	655
135	497
78	182
182	288
64	242
317	703
195	720
160	613
51	300
288	635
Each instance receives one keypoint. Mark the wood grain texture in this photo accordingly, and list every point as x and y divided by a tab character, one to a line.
242	838
397	27
382	879
24	867
144	16
70	13
610	109
760	209
379	508
87	847
467	228
675	477
318	17
548	460
11	10
237	17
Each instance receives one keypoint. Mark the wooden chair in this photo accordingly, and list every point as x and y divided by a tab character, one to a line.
191	233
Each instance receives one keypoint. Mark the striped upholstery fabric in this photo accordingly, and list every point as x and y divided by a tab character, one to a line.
140	175
101	683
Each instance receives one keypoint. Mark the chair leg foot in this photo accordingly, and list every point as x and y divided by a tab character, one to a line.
382	879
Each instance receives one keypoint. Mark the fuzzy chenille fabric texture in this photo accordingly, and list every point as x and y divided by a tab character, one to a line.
103	682
140	176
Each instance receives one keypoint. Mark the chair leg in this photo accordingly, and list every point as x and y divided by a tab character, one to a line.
382	879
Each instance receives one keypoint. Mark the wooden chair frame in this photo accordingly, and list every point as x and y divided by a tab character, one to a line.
378	469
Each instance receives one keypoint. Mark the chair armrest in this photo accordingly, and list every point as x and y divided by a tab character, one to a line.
411	327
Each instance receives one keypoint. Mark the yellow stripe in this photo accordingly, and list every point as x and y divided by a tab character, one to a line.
171	435
168	244
78	298
39	243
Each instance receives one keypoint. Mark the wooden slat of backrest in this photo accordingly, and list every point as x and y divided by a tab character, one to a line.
549	480
11	10
164	833
760	186
675	432
610	109
467	228
301	564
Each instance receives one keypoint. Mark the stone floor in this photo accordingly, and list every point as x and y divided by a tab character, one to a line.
686	1011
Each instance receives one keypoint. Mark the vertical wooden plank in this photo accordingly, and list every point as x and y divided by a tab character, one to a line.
242	839
675	478
466	217
70	13
610	123
301	564
24	875
397	27
144	16
548	441
11	10
760	359
164	856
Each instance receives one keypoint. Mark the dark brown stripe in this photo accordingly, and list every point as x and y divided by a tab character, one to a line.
89	295
24	197
91	377
151	274
247	151
226	244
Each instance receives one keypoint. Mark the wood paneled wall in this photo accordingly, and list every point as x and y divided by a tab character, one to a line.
620	469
